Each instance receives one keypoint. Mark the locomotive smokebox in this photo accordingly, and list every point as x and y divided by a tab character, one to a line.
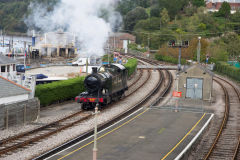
94	70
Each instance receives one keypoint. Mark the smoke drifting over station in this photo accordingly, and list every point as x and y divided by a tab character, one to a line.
90	20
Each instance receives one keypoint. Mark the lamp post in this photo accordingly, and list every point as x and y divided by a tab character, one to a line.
95	134
199	50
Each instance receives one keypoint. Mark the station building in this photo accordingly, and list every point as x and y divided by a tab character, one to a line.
196	82
56	44
121	40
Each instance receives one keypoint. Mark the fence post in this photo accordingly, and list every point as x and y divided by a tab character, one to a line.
6	115
38	114
24	114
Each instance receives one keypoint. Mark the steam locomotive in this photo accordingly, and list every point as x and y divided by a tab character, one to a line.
104	85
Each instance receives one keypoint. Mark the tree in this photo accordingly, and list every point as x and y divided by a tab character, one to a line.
133	17
232	42
225	10
143	3
125	6
173	6
164	17
155	11
198	3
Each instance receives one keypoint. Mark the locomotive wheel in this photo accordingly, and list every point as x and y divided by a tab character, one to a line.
85	107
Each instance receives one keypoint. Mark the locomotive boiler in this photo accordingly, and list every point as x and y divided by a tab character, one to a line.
104	85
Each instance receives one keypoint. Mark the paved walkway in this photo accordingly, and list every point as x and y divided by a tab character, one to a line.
151	134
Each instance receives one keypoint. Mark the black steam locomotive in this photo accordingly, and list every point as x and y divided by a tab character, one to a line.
104	85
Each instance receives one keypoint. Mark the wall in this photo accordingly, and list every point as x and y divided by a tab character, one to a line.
19	113
14	99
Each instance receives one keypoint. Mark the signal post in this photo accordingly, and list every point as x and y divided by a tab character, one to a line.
180	45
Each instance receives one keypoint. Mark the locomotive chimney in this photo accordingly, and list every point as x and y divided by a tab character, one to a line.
94	70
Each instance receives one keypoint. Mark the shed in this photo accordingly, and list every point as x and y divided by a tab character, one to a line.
196	82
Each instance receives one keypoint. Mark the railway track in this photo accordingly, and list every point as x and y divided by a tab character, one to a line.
28	138
226	141
11	144
117	118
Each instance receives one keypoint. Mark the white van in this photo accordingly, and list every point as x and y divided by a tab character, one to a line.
80	62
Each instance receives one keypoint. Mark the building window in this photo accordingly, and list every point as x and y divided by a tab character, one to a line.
8	68
3	69
14	67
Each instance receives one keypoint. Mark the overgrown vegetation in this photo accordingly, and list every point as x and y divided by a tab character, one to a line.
169	59
131	66
228	70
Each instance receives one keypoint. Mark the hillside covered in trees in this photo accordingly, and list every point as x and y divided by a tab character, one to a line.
12	13
155	22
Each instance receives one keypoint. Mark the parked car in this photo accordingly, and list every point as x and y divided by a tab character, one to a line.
20	68
41	76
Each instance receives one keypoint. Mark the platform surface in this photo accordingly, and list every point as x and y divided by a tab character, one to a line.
151	134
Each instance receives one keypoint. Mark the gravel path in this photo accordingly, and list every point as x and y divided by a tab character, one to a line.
66	135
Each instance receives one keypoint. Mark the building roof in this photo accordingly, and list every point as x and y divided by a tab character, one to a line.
199	66
120	34
6	60
221	1
9	88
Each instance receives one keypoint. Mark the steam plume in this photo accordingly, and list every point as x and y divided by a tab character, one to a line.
85	18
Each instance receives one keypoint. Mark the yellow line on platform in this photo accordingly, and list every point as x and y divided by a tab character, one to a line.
104	134
183	138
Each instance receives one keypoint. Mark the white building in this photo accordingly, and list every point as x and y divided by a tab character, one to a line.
8	67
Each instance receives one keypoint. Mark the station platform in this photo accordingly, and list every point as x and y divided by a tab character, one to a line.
148	134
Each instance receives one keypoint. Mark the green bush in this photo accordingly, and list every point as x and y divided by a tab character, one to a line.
131	66
169	59
59	91
227	69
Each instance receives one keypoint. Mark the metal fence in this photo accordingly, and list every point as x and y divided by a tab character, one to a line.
183	104
19	113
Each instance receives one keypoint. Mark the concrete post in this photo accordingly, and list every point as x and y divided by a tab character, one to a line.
179	58
38	116
58	51
66	51
95	134
24	114
49	52
199	50
6	122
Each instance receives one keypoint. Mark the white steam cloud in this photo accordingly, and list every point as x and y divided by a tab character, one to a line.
82	17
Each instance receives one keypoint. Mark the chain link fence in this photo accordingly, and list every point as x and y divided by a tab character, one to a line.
19	113
183	105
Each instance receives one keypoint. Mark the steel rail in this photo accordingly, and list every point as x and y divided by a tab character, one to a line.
238	94
24	134
224	121
110	122
50	126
